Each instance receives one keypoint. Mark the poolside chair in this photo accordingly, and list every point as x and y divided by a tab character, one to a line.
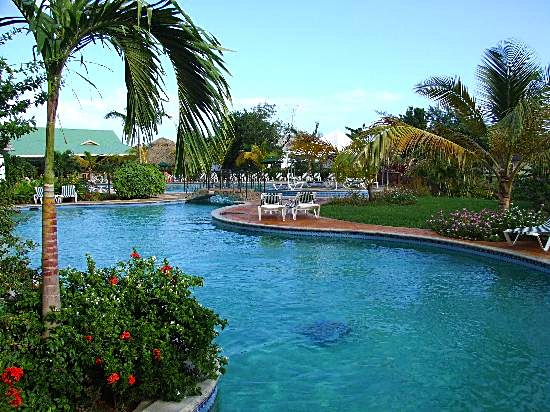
38	194
305	201
271	202
537	231
68	191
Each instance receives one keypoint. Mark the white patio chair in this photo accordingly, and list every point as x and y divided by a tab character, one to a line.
305	201
68	191
271	202
38	194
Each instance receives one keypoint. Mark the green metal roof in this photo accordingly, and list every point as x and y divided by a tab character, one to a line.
78	141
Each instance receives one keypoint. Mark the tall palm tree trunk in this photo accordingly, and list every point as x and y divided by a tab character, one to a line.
504	192
50	265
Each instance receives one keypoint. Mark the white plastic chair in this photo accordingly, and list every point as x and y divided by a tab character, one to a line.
38	194
305	201
68	191
271	202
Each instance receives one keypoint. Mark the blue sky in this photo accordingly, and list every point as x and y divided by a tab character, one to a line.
336	63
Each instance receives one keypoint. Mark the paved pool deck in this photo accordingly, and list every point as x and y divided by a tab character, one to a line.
246	215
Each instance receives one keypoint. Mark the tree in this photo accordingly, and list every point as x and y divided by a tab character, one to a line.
255	128
139	33
415	116
311	148
505	129
15	82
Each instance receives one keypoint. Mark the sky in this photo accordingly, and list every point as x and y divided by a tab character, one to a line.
338	63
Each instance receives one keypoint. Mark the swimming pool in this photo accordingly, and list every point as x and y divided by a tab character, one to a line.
340	324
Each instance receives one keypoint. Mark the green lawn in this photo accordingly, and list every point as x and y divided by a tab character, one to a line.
407	215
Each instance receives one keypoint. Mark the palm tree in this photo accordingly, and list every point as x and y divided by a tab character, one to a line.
133	134
140	34
505	129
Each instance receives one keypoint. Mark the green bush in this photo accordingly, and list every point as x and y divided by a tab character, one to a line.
486	224
124	334
135	181
354	199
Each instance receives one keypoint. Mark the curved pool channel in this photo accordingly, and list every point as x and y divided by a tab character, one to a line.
339	324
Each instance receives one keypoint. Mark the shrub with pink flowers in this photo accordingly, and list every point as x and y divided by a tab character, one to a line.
486	224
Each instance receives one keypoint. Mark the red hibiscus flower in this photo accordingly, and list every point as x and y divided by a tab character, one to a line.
135	255
15	396
125	335
156	354
10	373
113	281
89	338
166	269
98	361
131	379
113	378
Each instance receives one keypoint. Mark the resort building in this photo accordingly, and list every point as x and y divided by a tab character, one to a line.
97	142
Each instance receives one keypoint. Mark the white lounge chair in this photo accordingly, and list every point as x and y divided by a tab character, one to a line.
271	202
38	194
305	201
68	191
537	231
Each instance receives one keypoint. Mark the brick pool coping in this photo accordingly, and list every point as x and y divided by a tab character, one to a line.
245	216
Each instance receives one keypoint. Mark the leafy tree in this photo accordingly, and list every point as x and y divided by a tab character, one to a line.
255	127
20	88
415	116
139	34
505	129
65	164
311	147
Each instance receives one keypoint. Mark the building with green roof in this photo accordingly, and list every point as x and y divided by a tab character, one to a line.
78	141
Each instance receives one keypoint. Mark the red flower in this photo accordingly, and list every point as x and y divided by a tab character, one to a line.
98	361
15	396
89	338
10	373
166	269
135	255
125	335
113	281
131	379
156	354
113	378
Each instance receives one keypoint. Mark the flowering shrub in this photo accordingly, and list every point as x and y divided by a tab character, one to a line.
486	224
398	196
115	343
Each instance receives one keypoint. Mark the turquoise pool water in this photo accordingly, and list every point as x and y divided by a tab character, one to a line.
318	324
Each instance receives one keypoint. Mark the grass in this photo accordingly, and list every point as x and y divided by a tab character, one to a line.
378	213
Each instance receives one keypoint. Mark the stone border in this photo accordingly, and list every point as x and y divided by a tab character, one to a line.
447	243
199	403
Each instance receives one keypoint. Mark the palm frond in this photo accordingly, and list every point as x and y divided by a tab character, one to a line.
507	74
452	94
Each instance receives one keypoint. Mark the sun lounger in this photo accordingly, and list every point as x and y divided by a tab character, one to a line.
536	231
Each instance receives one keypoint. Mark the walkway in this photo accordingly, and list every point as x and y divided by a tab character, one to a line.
247	214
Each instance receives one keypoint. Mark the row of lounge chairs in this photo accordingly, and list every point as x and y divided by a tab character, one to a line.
303	201
67	192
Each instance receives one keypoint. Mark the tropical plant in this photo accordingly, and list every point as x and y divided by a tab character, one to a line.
140	34
505	129
311	148
138	181
254	127
20	88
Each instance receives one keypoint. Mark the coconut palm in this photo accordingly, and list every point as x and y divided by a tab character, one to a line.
505	129
140	34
